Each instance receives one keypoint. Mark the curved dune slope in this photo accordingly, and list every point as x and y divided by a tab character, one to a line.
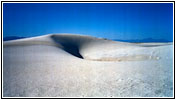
67	65
86	47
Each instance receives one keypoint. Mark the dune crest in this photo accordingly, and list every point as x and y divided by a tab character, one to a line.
83	46
67	65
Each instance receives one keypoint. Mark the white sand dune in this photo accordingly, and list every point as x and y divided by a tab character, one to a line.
66	65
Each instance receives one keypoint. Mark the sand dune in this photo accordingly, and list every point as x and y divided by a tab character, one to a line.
82	46
75	66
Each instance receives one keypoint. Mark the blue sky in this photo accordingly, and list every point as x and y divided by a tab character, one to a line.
108	20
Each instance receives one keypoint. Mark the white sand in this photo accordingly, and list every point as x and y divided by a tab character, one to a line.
47	66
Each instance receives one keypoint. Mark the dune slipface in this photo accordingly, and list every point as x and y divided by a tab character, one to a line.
66	65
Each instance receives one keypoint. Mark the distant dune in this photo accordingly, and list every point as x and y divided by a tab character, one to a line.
12	38
145	40
68	65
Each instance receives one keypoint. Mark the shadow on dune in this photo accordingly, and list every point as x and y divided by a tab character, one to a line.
69	45
72	49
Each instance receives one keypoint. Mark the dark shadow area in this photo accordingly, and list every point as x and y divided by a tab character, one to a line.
68	45
72	49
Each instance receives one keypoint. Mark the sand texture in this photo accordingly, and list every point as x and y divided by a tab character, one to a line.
67	65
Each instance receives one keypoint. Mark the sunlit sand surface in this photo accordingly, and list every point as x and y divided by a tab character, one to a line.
66	65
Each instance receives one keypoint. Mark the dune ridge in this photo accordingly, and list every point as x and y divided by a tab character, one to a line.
68	65
80	46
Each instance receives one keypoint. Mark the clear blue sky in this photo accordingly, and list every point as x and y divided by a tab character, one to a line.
108	20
